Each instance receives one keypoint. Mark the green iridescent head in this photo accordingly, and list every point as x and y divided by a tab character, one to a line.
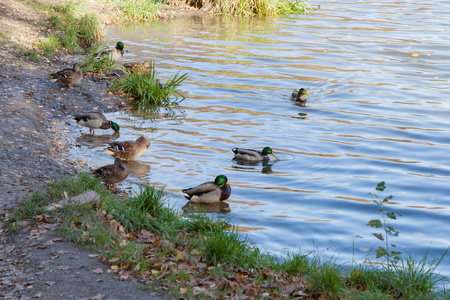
115	126
302	91
221	179
266	151
119	46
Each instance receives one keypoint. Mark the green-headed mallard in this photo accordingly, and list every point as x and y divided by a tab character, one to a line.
112	174
252	155
113	54
95	120
300	95
139	68
128	150
209	192
113	74
68	76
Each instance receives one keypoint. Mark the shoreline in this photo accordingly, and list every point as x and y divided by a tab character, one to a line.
35	263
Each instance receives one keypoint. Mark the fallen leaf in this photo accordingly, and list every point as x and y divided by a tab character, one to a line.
113	260
179	256
183	290
114	267
98	271
39	295
50	283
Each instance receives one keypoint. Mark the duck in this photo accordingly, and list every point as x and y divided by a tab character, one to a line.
113	74
112	174
299	95
112	53
209	192
96	120
68	76
253	155
137	67
128	150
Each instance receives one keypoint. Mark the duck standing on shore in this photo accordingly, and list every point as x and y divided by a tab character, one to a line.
113	74
139	68
209	192
113	53
112	174
68	76
96	120
128	150
252	155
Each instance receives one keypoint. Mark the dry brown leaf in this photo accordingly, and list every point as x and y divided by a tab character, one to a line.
179	256
183	290
50	283
98	271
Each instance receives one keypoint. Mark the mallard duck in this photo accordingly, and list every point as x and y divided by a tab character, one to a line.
113	74
300	95
252	155
96	120
68	76
209	192
128	150
112	174
139	68
113	54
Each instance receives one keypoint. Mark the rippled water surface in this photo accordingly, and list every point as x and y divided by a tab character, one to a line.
378	75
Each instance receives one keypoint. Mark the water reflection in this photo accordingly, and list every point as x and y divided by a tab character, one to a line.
137	168
244	165
219	207
377	112
98	140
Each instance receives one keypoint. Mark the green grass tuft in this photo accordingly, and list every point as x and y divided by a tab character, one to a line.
250	7
146	90
326	278
100	65
138	10
71	29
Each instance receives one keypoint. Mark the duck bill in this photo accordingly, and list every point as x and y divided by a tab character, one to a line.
307	93
228	183
274	155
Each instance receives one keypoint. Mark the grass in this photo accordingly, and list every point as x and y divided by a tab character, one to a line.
70	28
250	7
146	90
138	10
93	64
140	236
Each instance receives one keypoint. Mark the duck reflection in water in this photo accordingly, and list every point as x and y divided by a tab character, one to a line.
94	141
218	207
245	164
139	169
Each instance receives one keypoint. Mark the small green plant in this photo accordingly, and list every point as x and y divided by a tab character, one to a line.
250	7
147	91
93	64
71	29
326	279
138	10
32	55
390	256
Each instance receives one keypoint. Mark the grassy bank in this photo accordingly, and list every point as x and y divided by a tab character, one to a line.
198	255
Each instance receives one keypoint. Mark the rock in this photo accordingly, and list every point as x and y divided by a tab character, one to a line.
90	196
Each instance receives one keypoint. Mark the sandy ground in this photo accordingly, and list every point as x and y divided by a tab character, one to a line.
34	263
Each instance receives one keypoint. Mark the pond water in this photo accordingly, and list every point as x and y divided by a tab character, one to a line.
377	72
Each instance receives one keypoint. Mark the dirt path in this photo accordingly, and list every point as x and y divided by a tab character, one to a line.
34	263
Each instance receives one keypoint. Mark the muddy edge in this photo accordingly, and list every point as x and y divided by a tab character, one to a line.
34	263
